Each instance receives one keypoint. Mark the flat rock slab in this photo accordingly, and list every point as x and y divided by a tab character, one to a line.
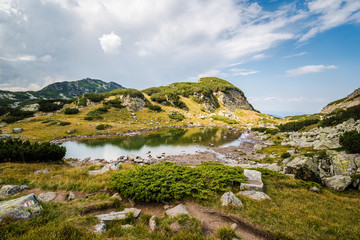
118	215
255	195
252	175
8	190
23	207
230	198
254	180
47	196
176	211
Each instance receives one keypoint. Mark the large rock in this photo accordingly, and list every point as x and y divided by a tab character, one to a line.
230	198
305	168
255	195
254	181
134	103
8	190
233	99
104	169
176	211
23	207
5	137
343	163
47	196
338	182
118	215
17	130
31	107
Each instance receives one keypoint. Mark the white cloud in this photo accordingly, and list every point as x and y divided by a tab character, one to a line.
308	69
260	56
22	58
241	72
296	55
110	43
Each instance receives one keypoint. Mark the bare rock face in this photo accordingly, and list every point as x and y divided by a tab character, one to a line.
351	100
176	211
233	100
31	107
134	103
23	207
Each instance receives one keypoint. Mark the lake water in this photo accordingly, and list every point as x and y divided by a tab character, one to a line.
174	141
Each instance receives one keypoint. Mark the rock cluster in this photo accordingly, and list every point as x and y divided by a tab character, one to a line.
254	187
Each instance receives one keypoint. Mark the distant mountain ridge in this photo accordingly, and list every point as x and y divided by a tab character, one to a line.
351	100
66	89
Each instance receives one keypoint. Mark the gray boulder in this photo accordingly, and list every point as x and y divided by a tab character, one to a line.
8	190
255	195
315	189
23	207
305	168
71	196
5	137
176	211
254	181
42	171
230	198
338	182
47	196
70	131
118	215
100	228
343	163
17	130
152	223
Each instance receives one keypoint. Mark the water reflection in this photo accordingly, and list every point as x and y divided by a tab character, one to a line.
171	141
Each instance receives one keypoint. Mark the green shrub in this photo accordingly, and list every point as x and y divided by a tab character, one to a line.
103	126
94	97
177	116
341	116
71	111
15	114
167	181
51	105
155	108
296	126
116	103
224	119
24	151
226	233
271	131
350	141
285	155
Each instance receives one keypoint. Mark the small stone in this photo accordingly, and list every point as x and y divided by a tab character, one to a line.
100	228
176	211
5	137
17	130
233	226
47	196
71	196
152	223
70	131
166	207
315	189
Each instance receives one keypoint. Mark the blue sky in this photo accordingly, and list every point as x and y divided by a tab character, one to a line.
287	56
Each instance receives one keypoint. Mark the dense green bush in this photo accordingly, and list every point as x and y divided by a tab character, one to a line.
52	105
103	126
177	116
167	181
94	97
350	141
15	114
285	155
271	131
341	116
24	151
224	119
116	103
296	126
155	108
71	111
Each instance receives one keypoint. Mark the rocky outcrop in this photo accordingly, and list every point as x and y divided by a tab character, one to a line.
338	182
31	107
17	130
209	103
23	207
351	100
5	137
305	168
321	138
233	99
229	198
134	103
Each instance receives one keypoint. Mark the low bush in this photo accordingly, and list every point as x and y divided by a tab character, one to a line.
71	111
226	233
94	97
271	131
298	125
167	181
176	116
341	116
155	108
285	155
350	141
52	104
103	126
116	103
24	151
15	114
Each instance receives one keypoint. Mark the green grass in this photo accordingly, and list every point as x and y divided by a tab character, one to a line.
224	119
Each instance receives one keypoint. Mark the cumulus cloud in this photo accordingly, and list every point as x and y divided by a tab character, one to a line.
110	43
308	69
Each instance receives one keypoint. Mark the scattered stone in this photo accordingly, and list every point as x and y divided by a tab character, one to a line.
233	226
17	130
117	195
71	196
104	169
152	223
258	147
5	137
253	179
176	211
338	182
315	189
255	195
47	196
100	228
8	190
22	207
70	131
118	215
230	198
42	171
126	226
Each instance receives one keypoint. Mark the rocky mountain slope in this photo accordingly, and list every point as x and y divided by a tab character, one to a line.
351	100
59	90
